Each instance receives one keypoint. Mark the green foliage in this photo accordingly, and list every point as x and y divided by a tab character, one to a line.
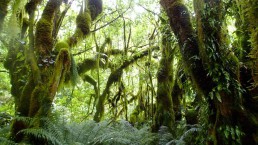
234	132
108	133
185	134
88	132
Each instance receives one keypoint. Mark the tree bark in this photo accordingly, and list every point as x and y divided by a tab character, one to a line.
165	115
212	78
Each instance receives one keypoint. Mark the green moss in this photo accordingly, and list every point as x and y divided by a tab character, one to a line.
83	22
50	9
24	104
60	45
76	38
38	94
62	68
44	42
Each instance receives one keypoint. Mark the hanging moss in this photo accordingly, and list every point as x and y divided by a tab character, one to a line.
74	75
3	11
83	22
115	76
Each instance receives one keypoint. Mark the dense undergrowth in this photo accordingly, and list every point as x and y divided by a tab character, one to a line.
58	132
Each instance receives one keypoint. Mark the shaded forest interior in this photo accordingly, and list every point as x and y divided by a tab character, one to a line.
145	72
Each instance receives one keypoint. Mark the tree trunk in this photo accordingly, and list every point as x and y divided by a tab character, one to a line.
165	115
41	73
211	76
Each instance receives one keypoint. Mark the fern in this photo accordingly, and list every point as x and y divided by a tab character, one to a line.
88	132
42	134
5	141
189	132
54	129
187	137
49	130
26	120
109	133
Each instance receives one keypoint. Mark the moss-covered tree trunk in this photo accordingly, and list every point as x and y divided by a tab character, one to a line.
210	74
247	32
164	115
38	68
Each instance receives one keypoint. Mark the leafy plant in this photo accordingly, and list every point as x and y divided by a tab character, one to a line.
191	134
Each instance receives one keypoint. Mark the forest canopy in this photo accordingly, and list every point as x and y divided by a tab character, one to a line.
123	72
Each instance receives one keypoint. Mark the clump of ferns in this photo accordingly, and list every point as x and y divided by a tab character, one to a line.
185	135
4	131
50	131
109	133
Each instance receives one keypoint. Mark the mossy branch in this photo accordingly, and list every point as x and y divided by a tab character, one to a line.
115	76
90	80
43	94
31	58
61	69
60	21
44	40
88	64
84	20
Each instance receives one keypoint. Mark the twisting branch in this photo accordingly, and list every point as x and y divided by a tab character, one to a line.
60	20
88	64
115	76
109	22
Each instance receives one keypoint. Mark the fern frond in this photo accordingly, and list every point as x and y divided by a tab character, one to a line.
26	120
176	142
53	128
41	134
188	132
5	141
